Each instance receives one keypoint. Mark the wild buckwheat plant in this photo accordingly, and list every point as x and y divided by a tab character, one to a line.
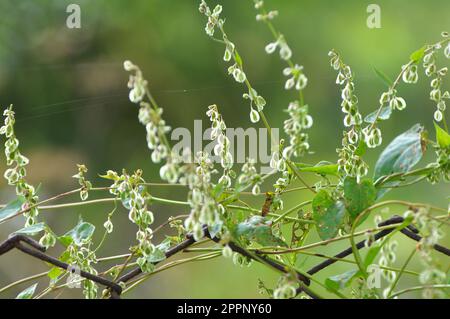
216	218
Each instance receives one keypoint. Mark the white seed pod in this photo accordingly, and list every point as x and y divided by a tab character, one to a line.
385	97
438	116
271	47
435	95
198	232
256	190
290	83
128	66
285	52
340	79
287	71
239	75
108	226
260	102
447	51
227	252
225	180
397	103
430	70
301	82
254	116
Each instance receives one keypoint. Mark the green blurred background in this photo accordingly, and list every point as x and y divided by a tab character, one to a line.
69	92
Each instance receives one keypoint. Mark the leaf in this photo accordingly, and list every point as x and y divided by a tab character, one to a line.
257	229
340	281
385	114
383	77
358	196
27	293
361	149
328	214
11	208
372	253
215	229
32	230
416	56
156	256
165	244
402	154
55	272
442	137
238	58
78	235
321	168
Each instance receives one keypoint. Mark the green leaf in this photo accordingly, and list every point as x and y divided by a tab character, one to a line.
321	168
32	230
385	114
328	214
156	256
402	154
416	56
372	253
361	149
238	58
11	208
340	281
258	229
78	235
55	272
358	196
442	137
383	77
27	293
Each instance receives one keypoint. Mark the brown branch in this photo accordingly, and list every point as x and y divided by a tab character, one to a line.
172	251
304	280
36	250
410	231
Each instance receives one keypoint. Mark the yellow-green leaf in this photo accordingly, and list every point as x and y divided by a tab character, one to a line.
442	137
328	214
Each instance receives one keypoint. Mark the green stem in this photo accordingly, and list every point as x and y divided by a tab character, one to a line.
24	280
394	284
401	292
293	209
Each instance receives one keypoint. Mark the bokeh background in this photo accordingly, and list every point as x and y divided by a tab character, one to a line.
69	92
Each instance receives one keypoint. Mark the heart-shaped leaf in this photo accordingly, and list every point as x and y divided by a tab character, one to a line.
341	281
442	137
78	235
358	196
321	168
32	230
328	214
385	114
258	229
402	154
11	208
